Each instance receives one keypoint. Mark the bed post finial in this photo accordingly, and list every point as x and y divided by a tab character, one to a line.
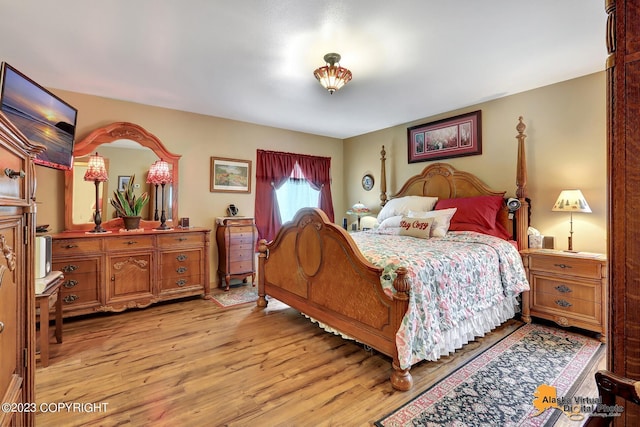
383	178
522	214
521	174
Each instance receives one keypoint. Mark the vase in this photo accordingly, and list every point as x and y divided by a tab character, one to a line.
131	222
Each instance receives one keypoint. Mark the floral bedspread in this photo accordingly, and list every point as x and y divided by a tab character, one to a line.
453	279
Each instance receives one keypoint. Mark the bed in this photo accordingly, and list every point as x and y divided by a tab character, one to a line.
409	306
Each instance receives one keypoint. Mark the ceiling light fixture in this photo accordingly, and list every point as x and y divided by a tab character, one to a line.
332	77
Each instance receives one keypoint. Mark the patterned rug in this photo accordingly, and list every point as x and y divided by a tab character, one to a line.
523	380
236	295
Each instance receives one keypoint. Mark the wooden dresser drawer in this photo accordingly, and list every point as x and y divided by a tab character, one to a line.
129	243
180	239
70	247
567	266
72	268
181	282
239	267
181	262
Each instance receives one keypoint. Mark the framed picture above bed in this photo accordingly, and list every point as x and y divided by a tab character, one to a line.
443	139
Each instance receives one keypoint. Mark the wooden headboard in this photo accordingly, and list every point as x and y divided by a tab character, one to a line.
445	182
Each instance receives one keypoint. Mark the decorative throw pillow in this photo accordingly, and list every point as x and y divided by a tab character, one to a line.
441	220
402	205
416	227
477	214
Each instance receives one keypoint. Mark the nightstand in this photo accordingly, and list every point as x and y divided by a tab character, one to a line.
568	288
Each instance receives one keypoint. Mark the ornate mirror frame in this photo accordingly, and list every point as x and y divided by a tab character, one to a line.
108	134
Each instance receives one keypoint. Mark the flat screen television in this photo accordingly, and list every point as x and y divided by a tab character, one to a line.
41	116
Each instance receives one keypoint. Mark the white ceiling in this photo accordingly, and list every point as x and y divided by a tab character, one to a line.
253	60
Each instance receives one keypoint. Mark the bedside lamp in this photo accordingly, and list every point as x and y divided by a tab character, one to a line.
571	201
97	172
159	174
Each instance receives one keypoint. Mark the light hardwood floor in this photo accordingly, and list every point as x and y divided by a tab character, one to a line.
192	363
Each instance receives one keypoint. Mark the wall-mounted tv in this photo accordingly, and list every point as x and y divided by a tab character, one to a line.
41	116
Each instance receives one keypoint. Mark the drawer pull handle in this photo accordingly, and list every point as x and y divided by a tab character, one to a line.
71	246
181	257
562	265
181	270
70	298
181	282
563	288
69	268
1	327
68	284
181	239
563	303
131	242
14	174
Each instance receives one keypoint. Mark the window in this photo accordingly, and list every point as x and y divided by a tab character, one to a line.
286	182
294	195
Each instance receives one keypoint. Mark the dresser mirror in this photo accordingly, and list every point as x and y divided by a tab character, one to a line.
128	150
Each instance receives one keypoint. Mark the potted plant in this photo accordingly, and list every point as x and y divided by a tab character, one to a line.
128	206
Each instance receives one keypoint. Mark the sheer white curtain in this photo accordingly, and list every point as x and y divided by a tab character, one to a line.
295	194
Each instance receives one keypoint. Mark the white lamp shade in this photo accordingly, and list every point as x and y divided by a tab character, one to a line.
571	201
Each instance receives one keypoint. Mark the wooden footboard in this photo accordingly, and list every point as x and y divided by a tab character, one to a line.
315	267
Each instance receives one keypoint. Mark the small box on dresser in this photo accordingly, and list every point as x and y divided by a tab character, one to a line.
569	288
236	238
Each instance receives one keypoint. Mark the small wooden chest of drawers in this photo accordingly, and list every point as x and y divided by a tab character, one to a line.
568	288
236	238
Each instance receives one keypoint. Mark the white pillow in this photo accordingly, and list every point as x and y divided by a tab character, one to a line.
441	220
391	222
402	206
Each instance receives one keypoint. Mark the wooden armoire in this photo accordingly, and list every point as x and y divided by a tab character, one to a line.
623	145
17	288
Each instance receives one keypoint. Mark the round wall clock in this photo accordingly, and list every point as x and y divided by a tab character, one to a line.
367	182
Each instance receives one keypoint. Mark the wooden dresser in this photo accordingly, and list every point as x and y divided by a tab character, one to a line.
17	276
120	270
568	288
236	238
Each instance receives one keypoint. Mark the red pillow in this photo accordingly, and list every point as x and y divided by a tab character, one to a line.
476	214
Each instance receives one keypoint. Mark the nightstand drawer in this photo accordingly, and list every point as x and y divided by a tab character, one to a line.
567	289
567	266
567	306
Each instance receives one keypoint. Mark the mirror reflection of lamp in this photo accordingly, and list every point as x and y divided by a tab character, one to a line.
159	174
97	172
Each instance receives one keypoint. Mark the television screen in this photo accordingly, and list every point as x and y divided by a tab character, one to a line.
41	116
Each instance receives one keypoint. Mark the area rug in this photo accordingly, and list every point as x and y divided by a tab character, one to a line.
236	295
520	381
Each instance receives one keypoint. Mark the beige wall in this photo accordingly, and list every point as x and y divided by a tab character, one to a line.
566	145
196	138
565	148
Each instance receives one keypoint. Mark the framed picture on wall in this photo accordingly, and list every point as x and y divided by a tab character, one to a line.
123	181
453	137
230	175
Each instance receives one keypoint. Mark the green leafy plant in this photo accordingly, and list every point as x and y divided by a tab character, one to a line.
125	201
